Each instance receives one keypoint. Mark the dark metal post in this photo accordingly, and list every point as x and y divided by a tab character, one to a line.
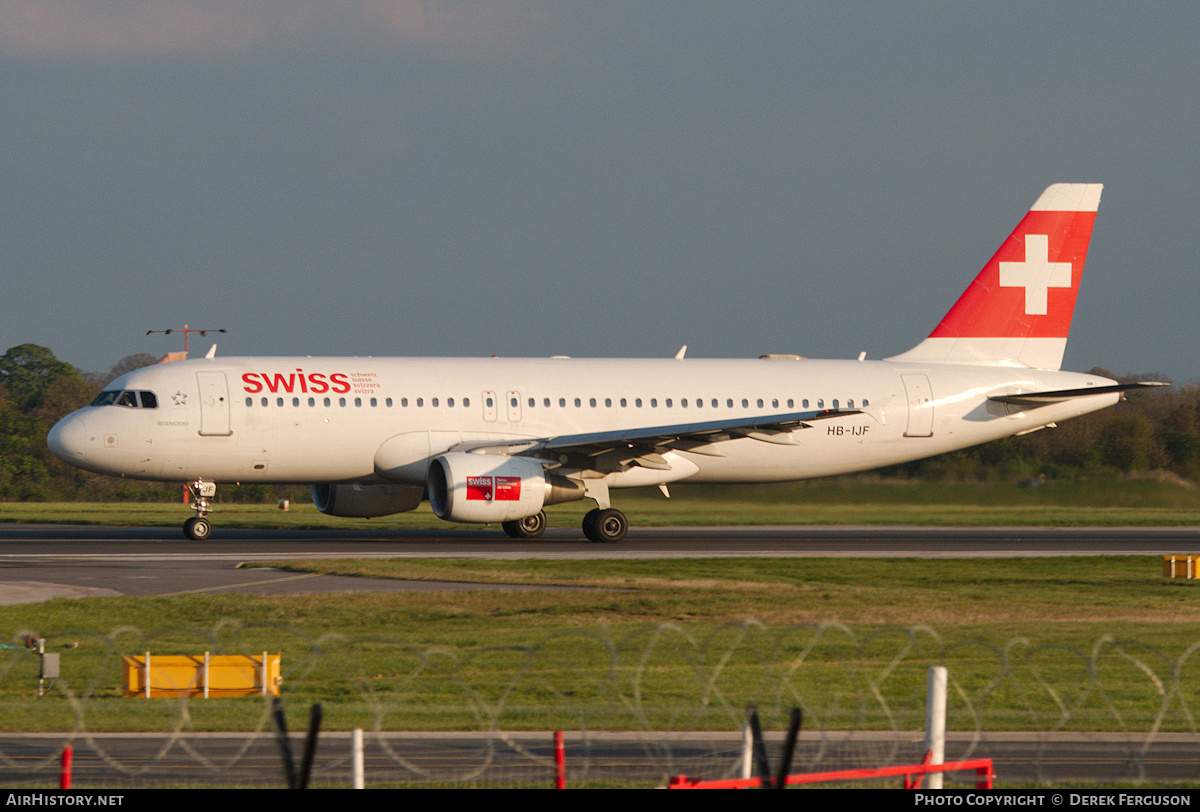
789	747
285	746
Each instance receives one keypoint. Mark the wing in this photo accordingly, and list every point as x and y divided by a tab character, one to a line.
607	451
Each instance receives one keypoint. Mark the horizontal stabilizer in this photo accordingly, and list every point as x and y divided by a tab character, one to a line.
1060	395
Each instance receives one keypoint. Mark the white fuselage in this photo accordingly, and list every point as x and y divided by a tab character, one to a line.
323	420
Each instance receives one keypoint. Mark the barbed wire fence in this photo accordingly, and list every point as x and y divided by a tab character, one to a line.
637	706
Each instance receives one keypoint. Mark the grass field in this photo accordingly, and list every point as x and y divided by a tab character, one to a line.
1093	643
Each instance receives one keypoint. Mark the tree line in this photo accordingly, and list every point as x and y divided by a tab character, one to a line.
1152	430
36	391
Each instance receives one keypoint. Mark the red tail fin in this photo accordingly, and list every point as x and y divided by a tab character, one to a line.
1018	310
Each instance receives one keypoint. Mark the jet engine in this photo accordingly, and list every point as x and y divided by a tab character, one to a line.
366	501
485	488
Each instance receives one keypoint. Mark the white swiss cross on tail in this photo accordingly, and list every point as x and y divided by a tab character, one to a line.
1037	274
1018	310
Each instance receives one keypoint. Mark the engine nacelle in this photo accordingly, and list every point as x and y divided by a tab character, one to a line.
366	501
486	488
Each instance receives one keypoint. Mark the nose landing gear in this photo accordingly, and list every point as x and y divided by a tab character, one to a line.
198	527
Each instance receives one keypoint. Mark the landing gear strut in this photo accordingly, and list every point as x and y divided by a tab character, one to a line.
528	528
607	525
198	527
604	524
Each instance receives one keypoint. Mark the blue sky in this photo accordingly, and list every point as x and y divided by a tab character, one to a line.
587	179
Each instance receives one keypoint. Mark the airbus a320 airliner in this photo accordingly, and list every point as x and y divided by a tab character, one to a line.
496	440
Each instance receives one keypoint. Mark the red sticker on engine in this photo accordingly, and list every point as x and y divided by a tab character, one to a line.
479	488
508	489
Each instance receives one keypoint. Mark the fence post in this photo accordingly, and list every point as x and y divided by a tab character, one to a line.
358	776
747	751
935	721
64	779
560	761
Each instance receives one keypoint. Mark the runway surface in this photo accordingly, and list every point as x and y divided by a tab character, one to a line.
38	562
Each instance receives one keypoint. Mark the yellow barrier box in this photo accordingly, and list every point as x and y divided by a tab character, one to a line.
223	675
1181	566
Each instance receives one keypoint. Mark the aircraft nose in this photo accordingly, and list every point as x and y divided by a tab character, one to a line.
66	440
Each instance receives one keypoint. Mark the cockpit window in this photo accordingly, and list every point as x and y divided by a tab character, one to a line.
105	398
128	398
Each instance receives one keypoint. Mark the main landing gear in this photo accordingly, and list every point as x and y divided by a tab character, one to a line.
528	528
198	527
602	526
607	525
